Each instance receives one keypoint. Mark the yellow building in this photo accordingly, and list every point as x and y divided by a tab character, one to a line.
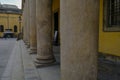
10	20
109	27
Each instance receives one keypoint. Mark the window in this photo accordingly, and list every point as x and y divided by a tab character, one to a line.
111	15
15	28
1	28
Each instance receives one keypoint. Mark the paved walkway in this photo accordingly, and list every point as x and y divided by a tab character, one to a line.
21	66
108	70
50	72
6	47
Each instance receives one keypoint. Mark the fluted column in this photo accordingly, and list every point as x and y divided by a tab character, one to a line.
44	33
33	33
79	22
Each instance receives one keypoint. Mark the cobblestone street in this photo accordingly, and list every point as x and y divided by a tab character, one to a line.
6	46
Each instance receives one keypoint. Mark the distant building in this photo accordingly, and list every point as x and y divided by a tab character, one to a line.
10	20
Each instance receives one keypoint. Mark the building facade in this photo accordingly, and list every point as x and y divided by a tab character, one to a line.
10	20
109	27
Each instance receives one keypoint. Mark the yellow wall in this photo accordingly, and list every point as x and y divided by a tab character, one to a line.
109	42
55	5
9	20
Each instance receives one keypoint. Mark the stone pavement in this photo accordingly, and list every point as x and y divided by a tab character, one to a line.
50	72
108	70
6	47
21	66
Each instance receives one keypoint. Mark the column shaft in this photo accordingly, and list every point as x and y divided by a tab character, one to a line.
44	33
28	23
25	23
79	22
33	41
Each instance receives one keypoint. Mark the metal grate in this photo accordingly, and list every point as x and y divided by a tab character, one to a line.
114	12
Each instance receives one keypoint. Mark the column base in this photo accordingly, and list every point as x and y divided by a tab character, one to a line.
44	62
28	45
25	42
33	51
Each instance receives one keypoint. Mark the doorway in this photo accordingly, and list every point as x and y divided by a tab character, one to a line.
56	29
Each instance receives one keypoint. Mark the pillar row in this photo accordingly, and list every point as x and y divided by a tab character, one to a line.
44	32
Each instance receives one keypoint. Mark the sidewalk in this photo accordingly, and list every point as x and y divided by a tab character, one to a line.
6	47
21	66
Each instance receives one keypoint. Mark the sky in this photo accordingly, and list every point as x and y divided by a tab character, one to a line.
13	2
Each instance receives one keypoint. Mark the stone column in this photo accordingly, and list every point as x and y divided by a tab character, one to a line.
25	24
33	41
44	32
28	23
79	23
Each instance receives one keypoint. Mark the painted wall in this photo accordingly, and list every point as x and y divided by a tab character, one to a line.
8	21
109	42
55	5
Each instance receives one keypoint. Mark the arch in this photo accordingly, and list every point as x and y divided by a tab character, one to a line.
15	28
1	28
